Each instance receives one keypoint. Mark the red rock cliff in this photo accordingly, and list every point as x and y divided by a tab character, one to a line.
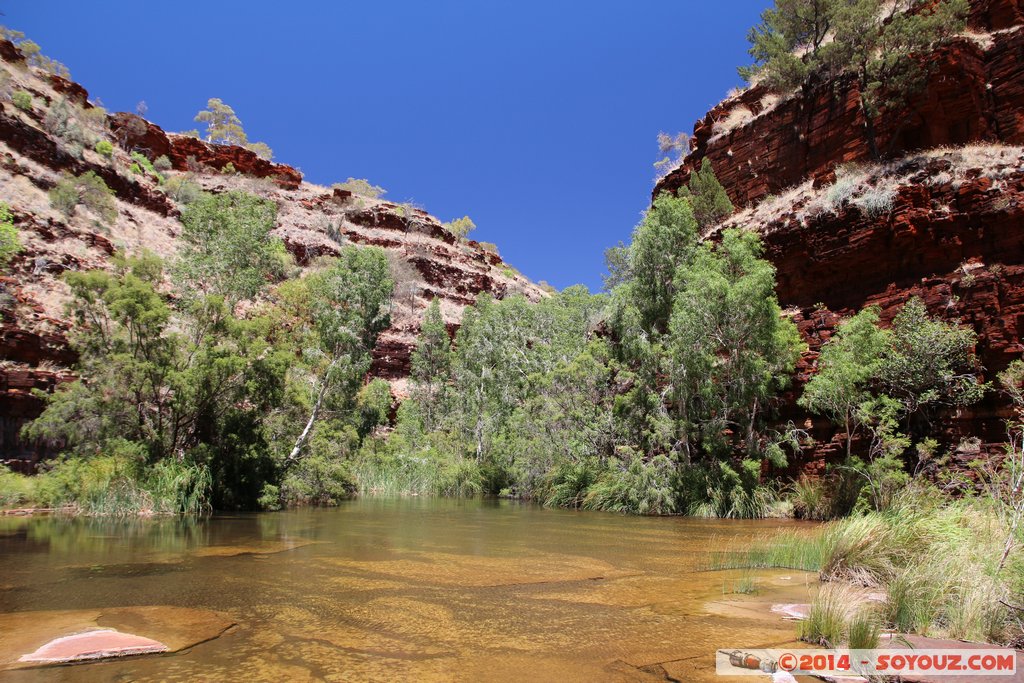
946	217
427	261
762	143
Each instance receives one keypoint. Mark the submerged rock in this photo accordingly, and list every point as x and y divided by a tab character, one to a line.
41	638
100	644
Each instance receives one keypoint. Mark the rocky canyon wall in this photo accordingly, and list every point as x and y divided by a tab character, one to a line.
940	218
313	221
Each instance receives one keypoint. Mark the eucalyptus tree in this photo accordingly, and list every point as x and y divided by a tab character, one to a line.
349	306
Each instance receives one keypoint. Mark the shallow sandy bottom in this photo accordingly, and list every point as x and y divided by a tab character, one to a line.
395	591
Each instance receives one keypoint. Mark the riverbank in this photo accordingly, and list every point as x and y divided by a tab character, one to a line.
927	565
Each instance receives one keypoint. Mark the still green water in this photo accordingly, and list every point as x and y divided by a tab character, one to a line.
386	590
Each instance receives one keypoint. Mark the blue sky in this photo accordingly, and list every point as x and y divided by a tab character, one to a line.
537	118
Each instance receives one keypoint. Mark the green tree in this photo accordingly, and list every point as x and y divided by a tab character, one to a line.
930	364
228	250
222	124
847	367
431	364
348	302
893	381
616	261
501	350
460	227
261	149
786	44
883	45
151	385
665	239
566	425
731	348
707	196
374	403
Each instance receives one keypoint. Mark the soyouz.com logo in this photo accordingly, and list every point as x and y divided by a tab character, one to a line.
991	661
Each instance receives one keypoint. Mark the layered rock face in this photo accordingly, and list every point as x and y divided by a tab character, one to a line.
951	233
761	143
313	221
188	153
942	218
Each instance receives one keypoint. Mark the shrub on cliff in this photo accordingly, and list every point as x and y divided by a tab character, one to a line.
182	189
261	149
88	190
674	147
460	227
10	243
104	148
142	165
708	198
361	187
883	45
22	100
61	120
33	53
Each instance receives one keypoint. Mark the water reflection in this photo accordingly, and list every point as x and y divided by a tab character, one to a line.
403	589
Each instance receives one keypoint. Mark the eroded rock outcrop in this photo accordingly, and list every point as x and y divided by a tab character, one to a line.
192	154
761	143
428	262
950	232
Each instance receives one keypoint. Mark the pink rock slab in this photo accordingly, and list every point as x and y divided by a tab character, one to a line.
792	611
97	644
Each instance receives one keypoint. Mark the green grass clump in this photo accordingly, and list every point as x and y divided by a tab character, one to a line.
786	550
935	559
566	485
639	488
826	622
15	489
745	584
399	468
115	485
838	618
863	631
22	100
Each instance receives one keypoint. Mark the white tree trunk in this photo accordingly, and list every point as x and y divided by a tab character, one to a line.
301	441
